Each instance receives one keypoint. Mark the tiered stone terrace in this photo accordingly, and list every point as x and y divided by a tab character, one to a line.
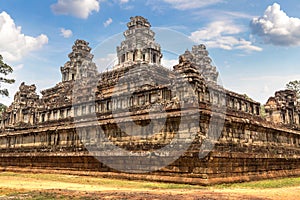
42	132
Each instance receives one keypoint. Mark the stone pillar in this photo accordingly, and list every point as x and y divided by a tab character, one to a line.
147	57
139	56
126	56
130	56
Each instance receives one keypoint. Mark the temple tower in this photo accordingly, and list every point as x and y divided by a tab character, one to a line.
139	44
283	108
199	56
80	64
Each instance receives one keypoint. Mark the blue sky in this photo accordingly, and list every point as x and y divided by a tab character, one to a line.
254	44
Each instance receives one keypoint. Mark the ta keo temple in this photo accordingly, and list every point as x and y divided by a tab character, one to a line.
140	120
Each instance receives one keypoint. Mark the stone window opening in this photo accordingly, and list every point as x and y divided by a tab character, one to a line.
15	117
98	107
49	139
117	103
54	114
217	98
61	114
76	111
43	117
283	117
125	103
33	118
144	57
214	98
222	101
291	120
251	109
108	105
102	107
91	109
154	58
166	94
257	110
64	76
68	112
123	58
88	135
121	103
207	96
240	105
141	100
83	110
231	103
73	77
246	107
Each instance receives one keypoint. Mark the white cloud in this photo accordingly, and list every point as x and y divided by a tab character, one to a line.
260	88
238	15
18	67
106	62
108	22
14	45
124	1
224	35
276	27
220	15
190	4
169	63
66	33
77	8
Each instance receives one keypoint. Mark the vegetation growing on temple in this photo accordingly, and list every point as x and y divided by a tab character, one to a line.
295	86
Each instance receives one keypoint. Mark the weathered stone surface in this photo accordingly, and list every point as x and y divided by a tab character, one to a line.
54	131
284	108
80	64
139	44
199	57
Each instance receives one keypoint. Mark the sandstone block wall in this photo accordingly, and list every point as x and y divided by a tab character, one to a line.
246	148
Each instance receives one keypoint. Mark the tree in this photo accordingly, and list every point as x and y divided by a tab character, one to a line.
247	97
2	108
5	69
295	86
262	111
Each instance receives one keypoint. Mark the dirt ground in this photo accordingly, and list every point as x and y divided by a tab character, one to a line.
28	188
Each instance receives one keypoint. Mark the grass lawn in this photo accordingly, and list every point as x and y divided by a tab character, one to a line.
63	186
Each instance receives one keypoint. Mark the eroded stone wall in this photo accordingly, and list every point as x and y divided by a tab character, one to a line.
246	147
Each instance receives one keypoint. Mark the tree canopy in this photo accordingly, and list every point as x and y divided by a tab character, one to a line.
295	86
2	108
5	69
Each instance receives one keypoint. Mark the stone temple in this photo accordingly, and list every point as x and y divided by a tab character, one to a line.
168	125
